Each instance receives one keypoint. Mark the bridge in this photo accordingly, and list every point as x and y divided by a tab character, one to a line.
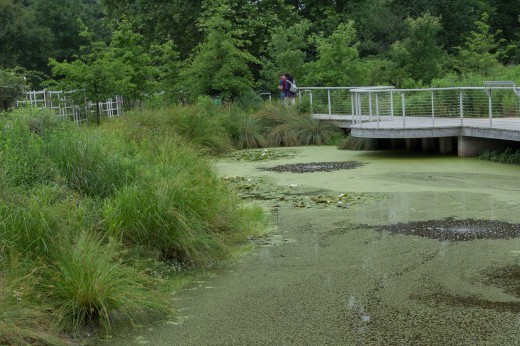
465	120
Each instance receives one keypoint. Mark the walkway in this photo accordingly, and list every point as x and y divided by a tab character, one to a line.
488	112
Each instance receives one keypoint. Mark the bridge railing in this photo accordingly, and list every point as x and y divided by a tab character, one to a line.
328	100
494	100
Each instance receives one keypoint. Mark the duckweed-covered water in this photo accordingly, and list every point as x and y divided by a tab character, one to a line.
401	250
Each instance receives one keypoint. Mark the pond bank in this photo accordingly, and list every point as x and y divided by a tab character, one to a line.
328	273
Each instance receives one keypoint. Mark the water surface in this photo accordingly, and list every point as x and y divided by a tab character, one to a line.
354	275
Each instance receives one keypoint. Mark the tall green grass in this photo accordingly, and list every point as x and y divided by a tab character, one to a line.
89	284
84	208
90	164
23	322
181	209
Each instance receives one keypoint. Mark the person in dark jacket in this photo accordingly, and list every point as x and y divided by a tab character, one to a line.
290	96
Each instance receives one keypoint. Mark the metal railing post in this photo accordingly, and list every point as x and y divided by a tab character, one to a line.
392	105
352	105
490	109
359	109
370	106
433	111
330	103
461	107
377	109
310	101
404	110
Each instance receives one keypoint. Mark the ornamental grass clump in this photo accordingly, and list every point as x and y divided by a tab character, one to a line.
181	209
245	131
89	284
23	322
90	163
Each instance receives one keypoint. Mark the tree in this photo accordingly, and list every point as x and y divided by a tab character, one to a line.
480	52
338	58
287	53
92	76
129	52
160	21
419	56
220	64
456	17
12	85
22	41
60	18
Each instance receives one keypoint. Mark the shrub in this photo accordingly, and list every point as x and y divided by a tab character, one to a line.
356	143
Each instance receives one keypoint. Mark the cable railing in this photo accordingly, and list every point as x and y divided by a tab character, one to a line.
496	100
328	100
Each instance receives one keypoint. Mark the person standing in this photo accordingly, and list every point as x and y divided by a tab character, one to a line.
281	87
290	89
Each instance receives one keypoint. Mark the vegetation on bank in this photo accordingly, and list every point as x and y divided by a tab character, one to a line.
508	155
229	48
90	214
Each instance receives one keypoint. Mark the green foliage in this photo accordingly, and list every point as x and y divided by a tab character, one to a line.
509	156
183	211
101	72
22	322
23	144
220	65
24	43
130	186
12	85
245	131
480	53
287	53
337	63
132	64
419	56
357	143
89	165
89	281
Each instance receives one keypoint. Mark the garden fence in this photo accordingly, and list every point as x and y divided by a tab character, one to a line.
62	104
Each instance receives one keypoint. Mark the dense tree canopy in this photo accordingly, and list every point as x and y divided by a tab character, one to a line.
228	47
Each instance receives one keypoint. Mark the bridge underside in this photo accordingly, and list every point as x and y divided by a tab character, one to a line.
465	141
445	135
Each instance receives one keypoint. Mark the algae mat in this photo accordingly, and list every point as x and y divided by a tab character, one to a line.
343	266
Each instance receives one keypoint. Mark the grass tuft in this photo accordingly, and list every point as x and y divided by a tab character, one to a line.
90	285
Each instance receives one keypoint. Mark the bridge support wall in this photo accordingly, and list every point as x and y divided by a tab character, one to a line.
428	145
473	146
445	145
412	143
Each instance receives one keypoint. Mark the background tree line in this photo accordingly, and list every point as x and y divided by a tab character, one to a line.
230	47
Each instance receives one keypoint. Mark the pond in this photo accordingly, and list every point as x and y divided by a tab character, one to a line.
399	249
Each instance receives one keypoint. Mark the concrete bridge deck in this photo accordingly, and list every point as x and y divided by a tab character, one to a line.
478	118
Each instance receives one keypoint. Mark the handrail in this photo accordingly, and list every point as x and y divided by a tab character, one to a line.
459	102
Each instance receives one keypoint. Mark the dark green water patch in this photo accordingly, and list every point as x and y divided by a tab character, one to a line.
471	301
507	278
314	167
456	230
